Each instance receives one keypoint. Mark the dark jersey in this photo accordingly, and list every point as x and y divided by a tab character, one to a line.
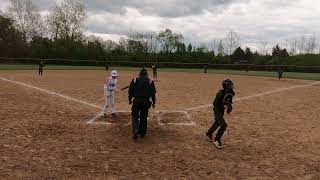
154	69
222	98
142	87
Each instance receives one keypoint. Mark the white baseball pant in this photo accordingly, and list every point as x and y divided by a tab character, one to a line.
109	102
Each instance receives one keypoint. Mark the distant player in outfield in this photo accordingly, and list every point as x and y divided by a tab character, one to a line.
222	101
280	73
41	64
110	88
155	72
106	66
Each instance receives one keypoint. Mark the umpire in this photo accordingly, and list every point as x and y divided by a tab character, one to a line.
141	90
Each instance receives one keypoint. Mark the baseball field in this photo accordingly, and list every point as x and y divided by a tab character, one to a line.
51	128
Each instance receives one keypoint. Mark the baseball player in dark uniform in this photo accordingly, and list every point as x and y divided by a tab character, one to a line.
41	64
106	66
141	90
222	100
280	73
205	69
155	72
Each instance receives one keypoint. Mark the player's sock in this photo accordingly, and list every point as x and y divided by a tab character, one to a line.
209	137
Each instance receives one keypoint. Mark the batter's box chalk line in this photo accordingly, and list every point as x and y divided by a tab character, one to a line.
159	115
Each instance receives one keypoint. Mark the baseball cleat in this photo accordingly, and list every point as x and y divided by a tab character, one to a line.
104	115
218	144
135	136
113	115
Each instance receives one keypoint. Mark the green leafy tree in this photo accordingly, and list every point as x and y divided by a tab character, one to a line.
249	54
278	52
189	49
238	54
181	48
12	43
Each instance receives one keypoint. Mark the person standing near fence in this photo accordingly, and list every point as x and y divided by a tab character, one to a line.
41	65
106	67
141	90
280	73
155	72
205	69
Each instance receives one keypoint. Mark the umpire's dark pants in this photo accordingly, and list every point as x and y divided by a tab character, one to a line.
139	112
219	122
40	71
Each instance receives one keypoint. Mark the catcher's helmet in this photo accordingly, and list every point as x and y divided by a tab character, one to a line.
227	84
143	72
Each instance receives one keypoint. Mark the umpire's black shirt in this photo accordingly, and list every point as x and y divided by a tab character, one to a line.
142	87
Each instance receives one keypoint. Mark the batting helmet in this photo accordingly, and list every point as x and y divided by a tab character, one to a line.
114	73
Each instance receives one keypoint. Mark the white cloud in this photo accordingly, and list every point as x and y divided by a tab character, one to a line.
4	5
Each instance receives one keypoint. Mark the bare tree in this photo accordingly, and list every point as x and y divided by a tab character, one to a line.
293	47
220	48
148	40
214	45
123	44
27	18
264	47
169	40
301	44
110	45
66	20
233	41
311	44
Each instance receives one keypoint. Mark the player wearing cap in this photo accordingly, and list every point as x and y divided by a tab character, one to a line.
110	88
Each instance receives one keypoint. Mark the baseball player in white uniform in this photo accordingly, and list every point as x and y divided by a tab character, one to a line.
110	88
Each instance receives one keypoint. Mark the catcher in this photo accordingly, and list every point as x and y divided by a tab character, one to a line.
222	101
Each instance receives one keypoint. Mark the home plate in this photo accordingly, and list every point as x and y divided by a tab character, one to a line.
122	118
179	118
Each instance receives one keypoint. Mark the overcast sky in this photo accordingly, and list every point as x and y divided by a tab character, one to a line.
201	21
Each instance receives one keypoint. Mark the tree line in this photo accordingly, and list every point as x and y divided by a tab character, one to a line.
61	35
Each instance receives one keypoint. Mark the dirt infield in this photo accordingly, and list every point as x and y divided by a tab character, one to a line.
46	135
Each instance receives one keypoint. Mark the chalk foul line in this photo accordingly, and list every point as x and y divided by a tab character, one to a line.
255	95
52	93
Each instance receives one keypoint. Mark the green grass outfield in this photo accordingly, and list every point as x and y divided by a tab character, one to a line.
291	75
